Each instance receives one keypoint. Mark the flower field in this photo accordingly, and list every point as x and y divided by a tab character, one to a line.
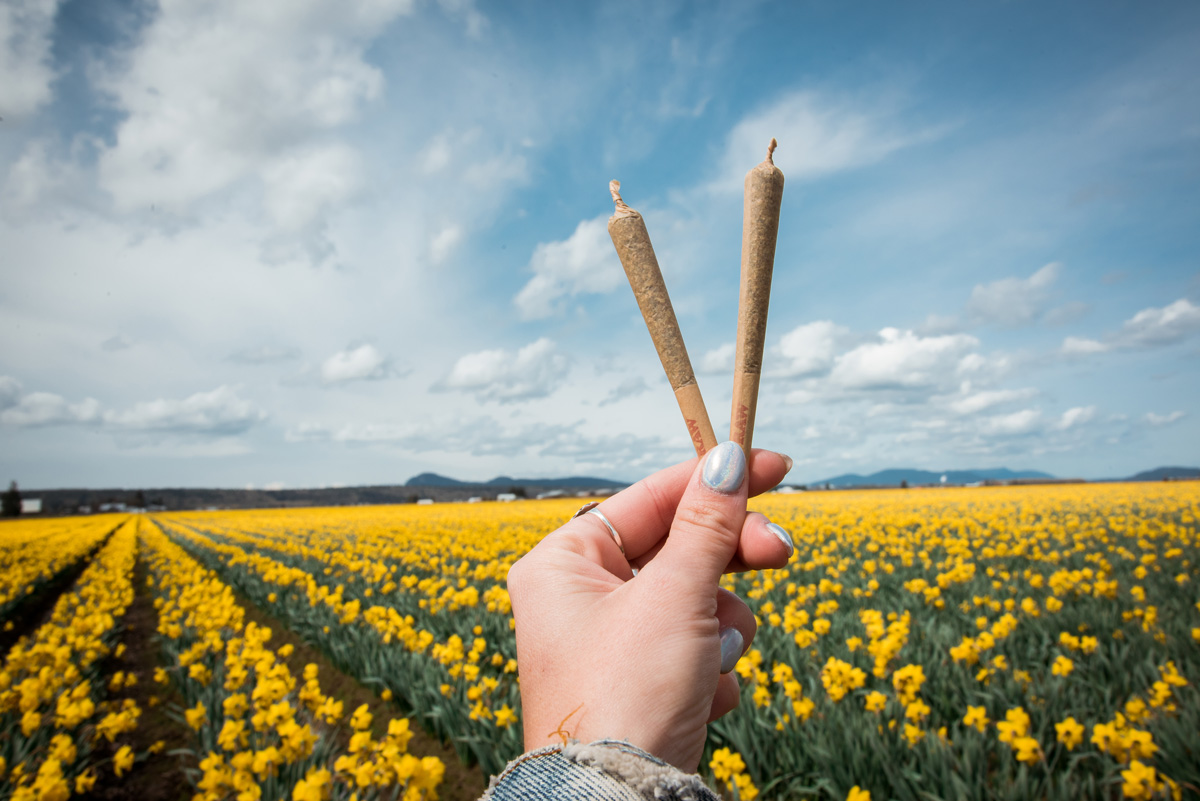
1003	642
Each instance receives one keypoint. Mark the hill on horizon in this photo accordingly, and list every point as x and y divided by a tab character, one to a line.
1160	473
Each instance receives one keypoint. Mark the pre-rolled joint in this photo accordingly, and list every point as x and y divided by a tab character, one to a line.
622	210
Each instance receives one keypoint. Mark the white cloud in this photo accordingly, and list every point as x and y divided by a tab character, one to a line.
220	411
1025	421
810	348
1081	346
583	263
1164	419
1076	416
719	359
1012	301
534	371
971	402
1152	327
302	185
1163	326
817	135
203	113
902	359
48	409
25	43
354	364
444	242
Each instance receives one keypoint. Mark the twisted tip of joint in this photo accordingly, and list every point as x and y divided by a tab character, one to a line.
614	188
771	150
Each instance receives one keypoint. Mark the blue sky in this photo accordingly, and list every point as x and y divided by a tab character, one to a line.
314	243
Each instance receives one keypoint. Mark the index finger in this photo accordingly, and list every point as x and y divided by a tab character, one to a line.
642	513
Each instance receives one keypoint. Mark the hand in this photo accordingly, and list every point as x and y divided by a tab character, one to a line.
645	659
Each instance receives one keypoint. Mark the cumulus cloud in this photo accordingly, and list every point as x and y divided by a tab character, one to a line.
1025	421
902	359
534	371
810	348
583	263
971	402
38	409
1012	302
1081	346
218	412
719	359
201	114
818	135
1149	328
1170	324
1164	419
360	363
1076	416
25	43
303	185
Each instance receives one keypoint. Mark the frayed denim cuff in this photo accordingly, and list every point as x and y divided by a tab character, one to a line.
606	770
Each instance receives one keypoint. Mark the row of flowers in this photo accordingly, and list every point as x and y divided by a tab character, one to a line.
60	726
261	732
464	689
33	552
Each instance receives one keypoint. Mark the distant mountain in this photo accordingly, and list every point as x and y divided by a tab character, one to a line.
434	480
504	482
915	478
1160	473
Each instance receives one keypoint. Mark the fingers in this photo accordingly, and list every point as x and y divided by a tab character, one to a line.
763	544
643	512
708	521
737	626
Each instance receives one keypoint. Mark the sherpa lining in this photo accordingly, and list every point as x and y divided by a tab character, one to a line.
651	777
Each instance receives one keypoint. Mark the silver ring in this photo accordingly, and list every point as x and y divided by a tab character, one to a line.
590	509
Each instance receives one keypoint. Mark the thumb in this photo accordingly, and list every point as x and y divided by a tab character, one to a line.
708	521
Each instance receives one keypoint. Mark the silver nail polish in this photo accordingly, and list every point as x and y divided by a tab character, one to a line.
784	537
731	649
724	468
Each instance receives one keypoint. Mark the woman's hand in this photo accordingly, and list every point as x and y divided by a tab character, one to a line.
645	659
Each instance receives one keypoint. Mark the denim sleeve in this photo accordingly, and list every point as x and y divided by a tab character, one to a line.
606	770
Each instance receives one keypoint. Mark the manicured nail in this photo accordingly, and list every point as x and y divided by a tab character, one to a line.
724	468
788	460
731	648
784	537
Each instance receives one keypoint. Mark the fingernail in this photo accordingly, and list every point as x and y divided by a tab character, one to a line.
724	468
784	537
731	649
788	460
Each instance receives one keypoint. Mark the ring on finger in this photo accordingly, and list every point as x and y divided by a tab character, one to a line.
590	509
